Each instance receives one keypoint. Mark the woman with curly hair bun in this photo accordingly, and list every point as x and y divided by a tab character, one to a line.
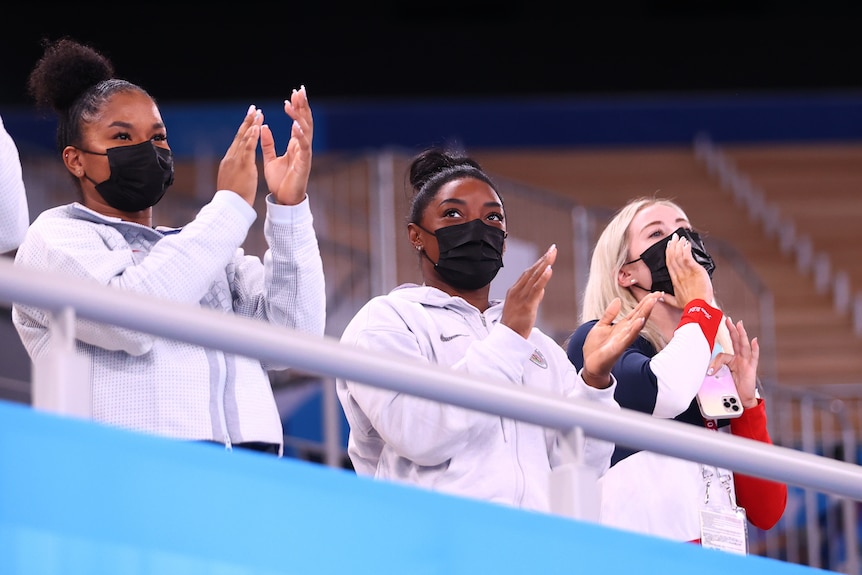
114	145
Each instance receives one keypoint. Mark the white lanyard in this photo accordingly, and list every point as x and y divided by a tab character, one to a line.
722	527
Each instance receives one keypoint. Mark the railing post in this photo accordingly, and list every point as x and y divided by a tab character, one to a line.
574	488
61	377
331	424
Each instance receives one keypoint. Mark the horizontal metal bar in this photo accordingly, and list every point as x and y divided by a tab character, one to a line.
327	356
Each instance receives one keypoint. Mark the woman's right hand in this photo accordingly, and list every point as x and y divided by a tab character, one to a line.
237	171
690	279
522	299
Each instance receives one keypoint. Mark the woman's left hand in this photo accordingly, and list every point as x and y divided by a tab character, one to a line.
742	363
607	340
287	175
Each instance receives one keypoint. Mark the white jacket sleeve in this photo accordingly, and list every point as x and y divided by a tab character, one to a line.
596	453
180	267
679	369
288	287
14	213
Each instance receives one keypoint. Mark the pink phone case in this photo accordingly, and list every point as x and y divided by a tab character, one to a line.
717	397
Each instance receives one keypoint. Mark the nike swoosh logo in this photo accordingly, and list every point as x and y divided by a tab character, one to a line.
451	337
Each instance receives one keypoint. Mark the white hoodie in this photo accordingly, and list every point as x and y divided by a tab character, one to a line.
447	448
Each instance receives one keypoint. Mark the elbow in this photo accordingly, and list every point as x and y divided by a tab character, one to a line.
775	510
136	346
430	456
670	407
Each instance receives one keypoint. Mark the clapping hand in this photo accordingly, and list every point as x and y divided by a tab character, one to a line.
607	341
238	169
521	305
287	175
742	363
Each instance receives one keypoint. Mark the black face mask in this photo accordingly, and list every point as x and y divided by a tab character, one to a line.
471	254
140	176
654	258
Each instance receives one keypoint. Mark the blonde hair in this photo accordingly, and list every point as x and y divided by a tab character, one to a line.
609	255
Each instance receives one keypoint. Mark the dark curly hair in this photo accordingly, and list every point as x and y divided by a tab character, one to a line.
75	81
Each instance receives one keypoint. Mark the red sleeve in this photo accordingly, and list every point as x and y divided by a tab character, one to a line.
764	500
707	317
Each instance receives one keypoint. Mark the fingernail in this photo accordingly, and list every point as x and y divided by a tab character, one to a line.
250	110
709	371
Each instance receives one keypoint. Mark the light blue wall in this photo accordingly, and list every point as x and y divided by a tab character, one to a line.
80	498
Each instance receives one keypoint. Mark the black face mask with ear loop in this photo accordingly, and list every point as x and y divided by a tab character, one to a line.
140	176
655	259
471	254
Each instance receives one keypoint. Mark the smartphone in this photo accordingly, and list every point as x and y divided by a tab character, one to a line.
717	397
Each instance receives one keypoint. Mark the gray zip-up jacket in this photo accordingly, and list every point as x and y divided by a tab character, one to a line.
167	387
442	447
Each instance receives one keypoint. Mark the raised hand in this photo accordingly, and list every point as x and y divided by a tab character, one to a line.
607	341
690	279
287	175
523	298
742	363
237	170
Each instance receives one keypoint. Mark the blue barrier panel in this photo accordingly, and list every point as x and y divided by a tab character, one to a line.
77	497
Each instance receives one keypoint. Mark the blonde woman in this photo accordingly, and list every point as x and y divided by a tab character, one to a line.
649	246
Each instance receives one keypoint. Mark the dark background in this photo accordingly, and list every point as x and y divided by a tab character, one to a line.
446	49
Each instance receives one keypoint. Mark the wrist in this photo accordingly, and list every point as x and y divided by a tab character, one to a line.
595	380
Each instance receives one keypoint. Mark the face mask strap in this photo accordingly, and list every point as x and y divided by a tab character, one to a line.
86	151
421	227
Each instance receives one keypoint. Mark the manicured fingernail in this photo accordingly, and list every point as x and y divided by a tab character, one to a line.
709	371
250	110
